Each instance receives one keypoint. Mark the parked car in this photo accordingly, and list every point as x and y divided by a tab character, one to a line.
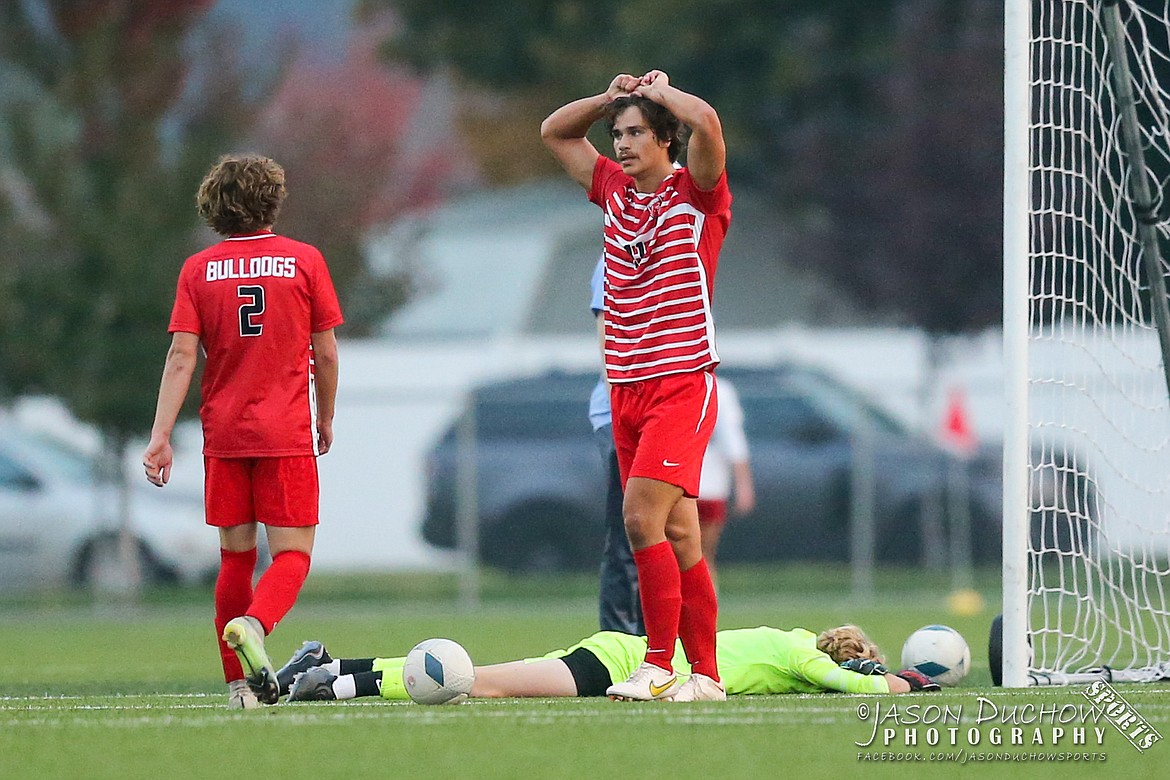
54	529
804	428
541	486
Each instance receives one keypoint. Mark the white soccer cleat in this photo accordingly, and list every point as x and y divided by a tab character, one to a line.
700	687
241	697
647	683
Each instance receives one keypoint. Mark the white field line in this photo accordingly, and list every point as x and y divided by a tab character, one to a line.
769	703
414	717
196	710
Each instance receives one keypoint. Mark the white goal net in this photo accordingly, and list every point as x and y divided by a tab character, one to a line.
1092	594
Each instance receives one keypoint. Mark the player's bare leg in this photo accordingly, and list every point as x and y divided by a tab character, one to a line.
299	539
549	677
682	531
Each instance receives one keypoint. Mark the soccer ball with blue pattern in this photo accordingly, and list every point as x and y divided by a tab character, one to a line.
438	671
939	652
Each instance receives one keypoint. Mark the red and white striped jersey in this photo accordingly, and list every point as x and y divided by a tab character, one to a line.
661	252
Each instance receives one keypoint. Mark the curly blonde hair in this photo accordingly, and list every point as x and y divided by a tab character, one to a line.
844	643
241	194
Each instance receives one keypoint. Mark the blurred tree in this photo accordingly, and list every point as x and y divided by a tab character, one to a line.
872	124
361	142
105	144
104	140
912	198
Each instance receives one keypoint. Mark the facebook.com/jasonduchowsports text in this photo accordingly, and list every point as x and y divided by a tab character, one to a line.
987	731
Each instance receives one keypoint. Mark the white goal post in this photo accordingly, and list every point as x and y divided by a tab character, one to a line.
1086	559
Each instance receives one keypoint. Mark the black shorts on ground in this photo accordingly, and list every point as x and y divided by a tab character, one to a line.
588	672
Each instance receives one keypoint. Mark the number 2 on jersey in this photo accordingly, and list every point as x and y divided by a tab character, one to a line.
250	311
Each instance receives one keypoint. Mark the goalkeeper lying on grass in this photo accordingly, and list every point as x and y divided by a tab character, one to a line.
751	661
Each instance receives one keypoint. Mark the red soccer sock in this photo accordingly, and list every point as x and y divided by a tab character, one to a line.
658	581
698	618
233	594
278	589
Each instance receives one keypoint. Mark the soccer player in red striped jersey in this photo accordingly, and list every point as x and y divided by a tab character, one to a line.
663	231
263	308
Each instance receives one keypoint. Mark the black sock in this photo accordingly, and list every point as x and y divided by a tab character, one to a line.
367	683
355	665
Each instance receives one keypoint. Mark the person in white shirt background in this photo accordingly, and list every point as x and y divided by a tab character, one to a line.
727	473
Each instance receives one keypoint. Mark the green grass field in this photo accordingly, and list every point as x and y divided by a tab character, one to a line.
97	691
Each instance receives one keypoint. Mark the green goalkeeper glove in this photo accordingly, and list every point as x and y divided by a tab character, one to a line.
918	681
864	666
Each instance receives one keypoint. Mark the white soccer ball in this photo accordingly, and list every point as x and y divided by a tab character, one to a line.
438	671
939	652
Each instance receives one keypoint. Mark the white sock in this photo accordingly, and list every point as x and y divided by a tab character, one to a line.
333	667
344	687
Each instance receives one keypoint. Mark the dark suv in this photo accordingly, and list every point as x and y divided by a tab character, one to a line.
541	486
541	495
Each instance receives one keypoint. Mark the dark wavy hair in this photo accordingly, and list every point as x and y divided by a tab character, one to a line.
664	124
241	194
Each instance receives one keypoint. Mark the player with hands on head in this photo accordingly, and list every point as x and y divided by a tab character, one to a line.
263	309
761	660
663	229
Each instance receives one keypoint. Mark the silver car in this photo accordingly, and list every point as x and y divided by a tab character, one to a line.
59	527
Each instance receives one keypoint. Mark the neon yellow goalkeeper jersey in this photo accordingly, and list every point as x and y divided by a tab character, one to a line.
768	660
751	660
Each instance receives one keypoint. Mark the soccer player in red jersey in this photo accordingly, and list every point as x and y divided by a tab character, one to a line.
263	308
663	231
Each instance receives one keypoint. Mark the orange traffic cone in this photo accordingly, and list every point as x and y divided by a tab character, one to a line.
956	432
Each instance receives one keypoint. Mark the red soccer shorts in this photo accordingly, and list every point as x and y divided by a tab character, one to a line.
712	511
661	427
273	491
